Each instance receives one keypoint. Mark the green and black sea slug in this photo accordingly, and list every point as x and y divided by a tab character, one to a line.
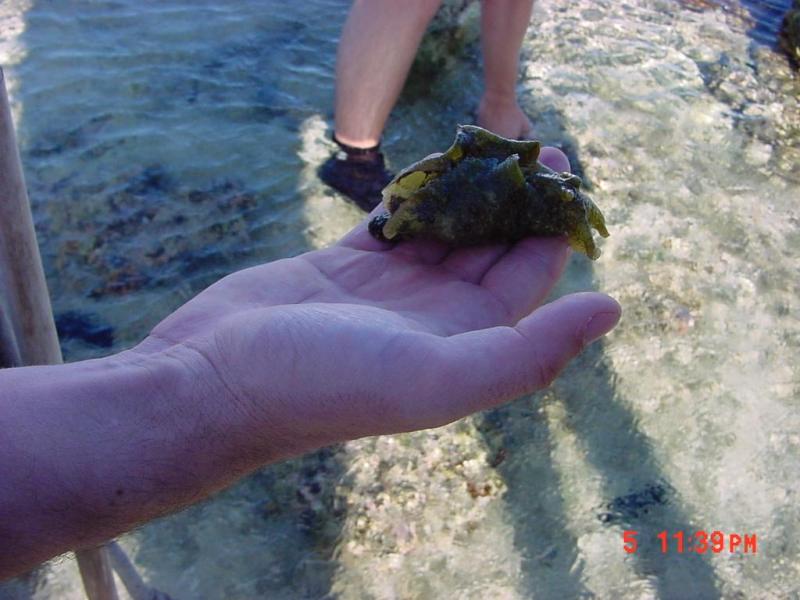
487	189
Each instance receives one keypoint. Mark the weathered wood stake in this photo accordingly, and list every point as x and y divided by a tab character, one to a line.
123	567
26	316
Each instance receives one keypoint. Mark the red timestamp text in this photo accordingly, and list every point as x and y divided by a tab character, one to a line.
698	542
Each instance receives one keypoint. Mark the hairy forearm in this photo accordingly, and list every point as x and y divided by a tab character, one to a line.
92	449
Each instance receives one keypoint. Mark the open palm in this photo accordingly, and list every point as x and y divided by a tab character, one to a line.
367	337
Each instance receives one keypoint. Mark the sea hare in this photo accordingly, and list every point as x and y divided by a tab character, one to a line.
487	189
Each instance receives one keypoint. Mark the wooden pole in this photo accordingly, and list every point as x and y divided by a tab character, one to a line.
95	568
26	317
137	588
9	350
21	272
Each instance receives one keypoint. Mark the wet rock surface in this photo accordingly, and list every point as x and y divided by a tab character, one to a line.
136	235
451	40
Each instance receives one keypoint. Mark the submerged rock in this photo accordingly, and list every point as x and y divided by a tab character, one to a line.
452	35
789	37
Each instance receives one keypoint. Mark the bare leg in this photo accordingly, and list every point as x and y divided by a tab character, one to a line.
378	45
503	25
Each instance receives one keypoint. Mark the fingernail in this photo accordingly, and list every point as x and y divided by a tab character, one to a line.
600	324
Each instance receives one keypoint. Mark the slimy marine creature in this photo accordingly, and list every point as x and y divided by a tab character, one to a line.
487	189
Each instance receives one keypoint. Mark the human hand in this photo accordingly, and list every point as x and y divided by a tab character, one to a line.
358	339
367	337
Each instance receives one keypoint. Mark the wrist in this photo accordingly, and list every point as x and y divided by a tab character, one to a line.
148	442
95	448
499	97
232	417
192	402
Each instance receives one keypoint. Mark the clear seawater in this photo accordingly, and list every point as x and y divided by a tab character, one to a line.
168	143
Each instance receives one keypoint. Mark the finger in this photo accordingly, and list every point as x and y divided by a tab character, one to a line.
472	263
480	369
361	239
524	276
554	158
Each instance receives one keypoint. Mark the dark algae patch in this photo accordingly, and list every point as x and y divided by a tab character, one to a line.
74	324
487	189
636	504
143	230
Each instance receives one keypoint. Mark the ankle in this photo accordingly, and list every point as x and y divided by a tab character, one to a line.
366	157
357	143
498	99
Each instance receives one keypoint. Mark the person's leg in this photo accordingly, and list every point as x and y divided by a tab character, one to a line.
503	26
378	45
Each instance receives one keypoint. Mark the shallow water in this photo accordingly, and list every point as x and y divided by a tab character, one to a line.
169	144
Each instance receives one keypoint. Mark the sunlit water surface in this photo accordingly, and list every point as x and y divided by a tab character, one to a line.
167	144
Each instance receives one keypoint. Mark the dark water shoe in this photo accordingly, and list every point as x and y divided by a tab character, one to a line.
358	173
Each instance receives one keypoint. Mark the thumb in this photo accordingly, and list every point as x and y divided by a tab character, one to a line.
490	366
